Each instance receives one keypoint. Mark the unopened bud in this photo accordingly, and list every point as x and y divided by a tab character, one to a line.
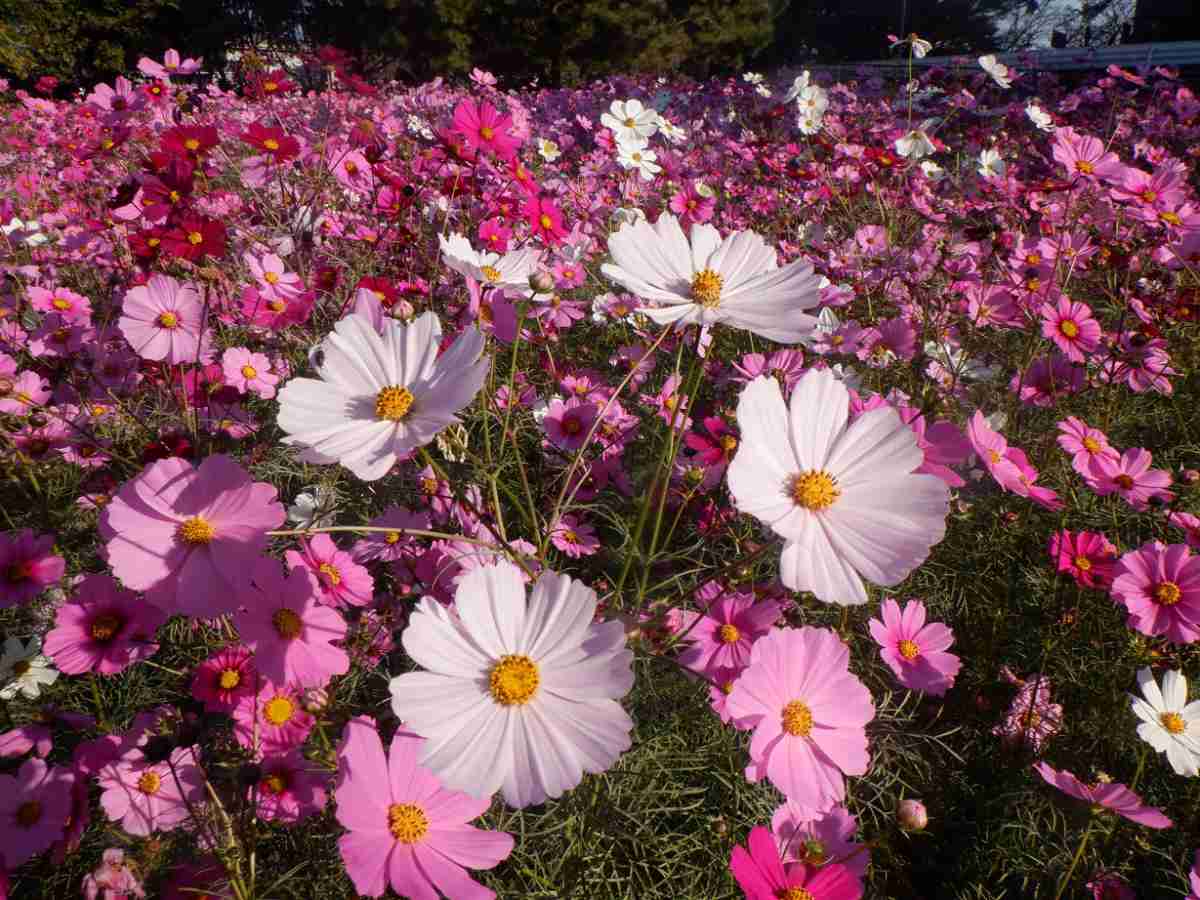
911	815
542	282
1189	476
314	701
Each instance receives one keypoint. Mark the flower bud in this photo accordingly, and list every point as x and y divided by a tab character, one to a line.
314	701
1189	476
542	282
911	815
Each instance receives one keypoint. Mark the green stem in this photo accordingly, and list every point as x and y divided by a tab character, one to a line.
1074	862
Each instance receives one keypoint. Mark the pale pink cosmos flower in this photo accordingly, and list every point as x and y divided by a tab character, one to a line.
574	537
724	634
274	281
23	392
1160	587
761	874
1085	444
405	828
143	797
75	309
189	536
273	720
842	494
1113	796
28	565
1084	156
390	546
1131	478
103	628
808	713
164	320
290	789
819	840
519	696
171	65
340	580
282	621
249	372
35	806
915	651
1072	328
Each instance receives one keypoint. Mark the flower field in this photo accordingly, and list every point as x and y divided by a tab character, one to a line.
781	488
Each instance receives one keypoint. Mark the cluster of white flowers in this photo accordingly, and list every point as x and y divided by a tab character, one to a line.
760	85
811	103
1001	74
633	124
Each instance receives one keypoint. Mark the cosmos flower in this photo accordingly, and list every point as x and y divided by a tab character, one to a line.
724	634
1112	796
510	271
28	565
915	651
35	806
1160	587
164	320
761	874
1169	723
103	628
24	670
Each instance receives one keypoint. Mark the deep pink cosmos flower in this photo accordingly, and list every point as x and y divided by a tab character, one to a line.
225	678
808	713
567	424
1131	478
483	128
282	621
35	806
340	580
1160	586
28	565
1008	465
143	796
1190	524
545	219
724	634
103	628
761	874
163	320
1072	328
817	841
391	546
574	537
1087	556
273	720
915	651
189	537
290	789
1116	797
1085	444
405	828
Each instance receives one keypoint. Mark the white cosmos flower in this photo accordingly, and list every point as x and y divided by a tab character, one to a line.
313	507
510	271
843	495
23	669
1039	117
932	170
799	83
548	150
29	232
380	395
812	100
629	120
920	46
914	145
752	78
672	133
1170	724
1001	74
643	161
991	165
709	280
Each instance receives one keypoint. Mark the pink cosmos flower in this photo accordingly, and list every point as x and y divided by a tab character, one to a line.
21	394
1160	586
1007	465
1194	879
144	797
1085	444
103	628
1106	886
225	678
340	580
567	424
724	634
1190	524
1070	325
187	536
484	128
1026	484
545	219
914	651
721	682
171	65
808	714
1088	557
405	828
113	879
249	372
1116	797
273	720
1084	157
164	320
1031	719
274	281
1131	478
75	309
281	620
761	874
290	788
28	565
35	806
828	838
390	546
574	537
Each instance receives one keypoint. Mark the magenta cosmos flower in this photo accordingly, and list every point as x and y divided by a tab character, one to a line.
1072	328
283	622
1131	477
189	537
1085	444
842	494
483	128
519	696
290	789
222	680
725	632
817	841
164	320
406	829
35	807
1160	586
762	876
143	796
808	714
28	565
273	720
915	651
1087	556
103	628
1116	797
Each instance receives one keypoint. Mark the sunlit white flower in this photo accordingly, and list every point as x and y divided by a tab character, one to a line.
1039	117
671	132
510	271
313	507
1170	724
548	150
629	120
23	669
752	78
641	160
920	46
762	90
29	232
799	83
1001	74
991	165
624	215
932	170
914	145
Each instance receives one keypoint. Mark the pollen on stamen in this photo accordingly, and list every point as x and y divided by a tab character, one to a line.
706	288
814	490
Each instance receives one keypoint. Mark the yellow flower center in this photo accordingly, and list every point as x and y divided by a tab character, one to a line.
794	893
706	288
1124	482
1085	167
271	87
271	277
1170	218
1173	722
814	490
168	320
1091	445
29	813
61	303
331	573
273	784
276	305
195	237
514	680
287	623
278	710
407	823
546	222
271	144
1167	593
1068	328
1148	196
192	144
491	274
729	634
230	678
393	403
149	783
797	719
249	372
487	133
909	650
105	627
814	853
195	531
392	537
728	443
